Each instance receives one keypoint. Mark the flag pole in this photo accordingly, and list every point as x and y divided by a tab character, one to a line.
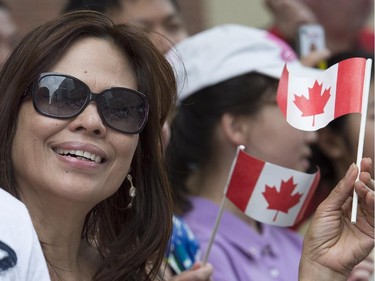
366	90
213	234
222	206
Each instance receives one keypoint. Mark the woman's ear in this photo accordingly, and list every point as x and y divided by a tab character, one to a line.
234	128
332	144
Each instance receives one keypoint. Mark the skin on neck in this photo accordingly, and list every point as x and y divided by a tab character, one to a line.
82	268
59	230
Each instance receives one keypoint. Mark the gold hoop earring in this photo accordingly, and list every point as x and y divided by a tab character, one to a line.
132	191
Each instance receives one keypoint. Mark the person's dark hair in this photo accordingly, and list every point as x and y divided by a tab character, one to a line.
131	242
193	126
102	6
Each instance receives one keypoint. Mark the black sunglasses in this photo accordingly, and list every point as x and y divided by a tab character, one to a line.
62	96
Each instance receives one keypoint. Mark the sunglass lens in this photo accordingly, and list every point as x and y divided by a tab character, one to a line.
60	96
123	109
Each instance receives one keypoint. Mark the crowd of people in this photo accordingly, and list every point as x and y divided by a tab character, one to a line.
119	130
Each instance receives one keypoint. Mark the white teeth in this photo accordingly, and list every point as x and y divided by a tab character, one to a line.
80	154
87	154
98	159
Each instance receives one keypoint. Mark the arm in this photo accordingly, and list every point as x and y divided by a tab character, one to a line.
288	15
315	57
333	245
198	272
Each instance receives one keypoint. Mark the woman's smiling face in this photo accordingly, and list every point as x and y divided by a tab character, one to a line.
41	166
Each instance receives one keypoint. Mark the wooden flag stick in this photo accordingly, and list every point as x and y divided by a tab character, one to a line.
222	207
361	138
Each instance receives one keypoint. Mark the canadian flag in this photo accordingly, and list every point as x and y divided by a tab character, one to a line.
269	193
310	103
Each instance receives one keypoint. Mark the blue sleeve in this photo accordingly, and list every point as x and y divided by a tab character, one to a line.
184	247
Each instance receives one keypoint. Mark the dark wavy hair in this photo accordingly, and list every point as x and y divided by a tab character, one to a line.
198	115
131	243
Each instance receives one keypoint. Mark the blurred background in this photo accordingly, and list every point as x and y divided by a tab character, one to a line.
198	14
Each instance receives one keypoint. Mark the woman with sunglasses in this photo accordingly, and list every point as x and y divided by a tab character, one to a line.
82	107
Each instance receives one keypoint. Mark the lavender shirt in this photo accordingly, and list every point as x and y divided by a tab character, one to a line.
239	253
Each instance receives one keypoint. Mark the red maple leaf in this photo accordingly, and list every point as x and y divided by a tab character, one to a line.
281	200
315	103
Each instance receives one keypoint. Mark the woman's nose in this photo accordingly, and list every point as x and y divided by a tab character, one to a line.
89	121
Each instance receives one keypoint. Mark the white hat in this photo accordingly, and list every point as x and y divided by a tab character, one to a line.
226	51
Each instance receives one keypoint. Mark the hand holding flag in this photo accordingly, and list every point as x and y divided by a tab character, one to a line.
310	103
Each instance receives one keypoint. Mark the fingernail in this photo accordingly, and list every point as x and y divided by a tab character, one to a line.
350	170
369	159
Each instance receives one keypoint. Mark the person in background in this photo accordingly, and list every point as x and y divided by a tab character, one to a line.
8	32
345	22
21	256
227	99
82	104
160	18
